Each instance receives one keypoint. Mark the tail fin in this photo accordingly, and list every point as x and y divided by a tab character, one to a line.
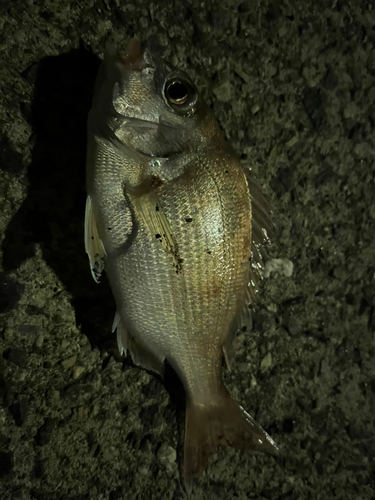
222	423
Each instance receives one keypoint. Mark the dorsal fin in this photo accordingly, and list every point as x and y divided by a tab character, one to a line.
261	229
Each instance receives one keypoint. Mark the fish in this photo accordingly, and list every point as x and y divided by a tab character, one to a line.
179	225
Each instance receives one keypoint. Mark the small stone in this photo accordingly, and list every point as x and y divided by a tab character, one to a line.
143	470
255	109
282	266
144	466
167	457
243	367
272	308
292	142
95	410
266	362
64	344
351	110
283	30
114	375
39	341
77	372
8	334
53	394
69	362
223	92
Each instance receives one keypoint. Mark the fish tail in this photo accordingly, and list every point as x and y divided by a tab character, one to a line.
223	422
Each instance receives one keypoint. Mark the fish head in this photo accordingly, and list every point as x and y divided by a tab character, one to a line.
151	106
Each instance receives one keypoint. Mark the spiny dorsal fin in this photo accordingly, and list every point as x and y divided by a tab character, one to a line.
261	228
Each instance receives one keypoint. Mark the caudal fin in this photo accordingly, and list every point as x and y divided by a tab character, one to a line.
222	423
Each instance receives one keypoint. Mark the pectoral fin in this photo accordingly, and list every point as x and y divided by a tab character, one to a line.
148	204
93	244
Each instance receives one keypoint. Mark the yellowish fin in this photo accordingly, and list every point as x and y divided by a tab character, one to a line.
221	423
93	244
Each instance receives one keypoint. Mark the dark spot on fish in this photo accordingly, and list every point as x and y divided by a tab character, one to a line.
92	237
109	229
178	263
209	252
226	171
189	219
157	208
158	236
156	181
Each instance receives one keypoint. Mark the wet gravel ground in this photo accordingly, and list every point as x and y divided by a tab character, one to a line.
293	85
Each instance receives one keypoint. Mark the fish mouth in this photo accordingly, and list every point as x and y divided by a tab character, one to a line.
133	56
139	123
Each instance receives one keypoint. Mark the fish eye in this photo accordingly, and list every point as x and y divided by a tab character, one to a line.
176	92
180	95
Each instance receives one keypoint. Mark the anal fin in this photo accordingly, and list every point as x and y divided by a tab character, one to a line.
93	244
141	356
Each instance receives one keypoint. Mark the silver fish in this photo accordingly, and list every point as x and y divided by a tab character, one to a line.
170	218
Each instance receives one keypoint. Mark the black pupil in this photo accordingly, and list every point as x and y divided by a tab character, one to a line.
177	91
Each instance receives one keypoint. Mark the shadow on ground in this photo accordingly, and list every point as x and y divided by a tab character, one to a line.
53	212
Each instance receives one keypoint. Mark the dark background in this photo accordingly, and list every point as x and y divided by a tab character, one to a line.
293	86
